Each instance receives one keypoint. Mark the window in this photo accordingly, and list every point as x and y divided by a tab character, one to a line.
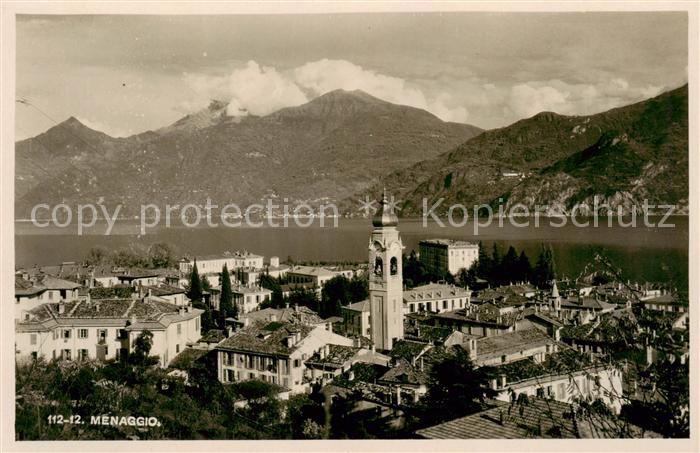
444	304
32	339
297	363
229	375
412	308
82	333
66	334
34	355
102	334
394	265
65	355
179	329
177	348
82	354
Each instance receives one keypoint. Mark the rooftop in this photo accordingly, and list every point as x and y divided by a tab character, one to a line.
434	291
299	314
512	342
450	243
535	418
565	361
267	338
363	306
144	311
337	355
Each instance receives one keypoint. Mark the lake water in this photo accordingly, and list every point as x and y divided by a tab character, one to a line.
643	253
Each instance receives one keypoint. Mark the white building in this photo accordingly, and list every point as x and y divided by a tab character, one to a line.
249	298
274	352
105	329
29	294
215	263
448	255
435	297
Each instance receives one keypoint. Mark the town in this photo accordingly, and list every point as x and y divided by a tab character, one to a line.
451	341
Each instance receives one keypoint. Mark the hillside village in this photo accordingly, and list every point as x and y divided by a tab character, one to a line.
379	345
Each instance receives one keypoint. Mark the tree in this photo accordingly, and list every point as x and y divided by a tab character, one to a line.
359	288
142	349
524	268
97	255
335	293
544	271
304	298
457	387
508	270
484	265
226	305
273	284
194	289
161	255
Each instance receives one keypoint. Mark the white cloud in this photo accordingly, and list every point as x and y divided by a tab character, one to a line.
263	90
254	89
526	100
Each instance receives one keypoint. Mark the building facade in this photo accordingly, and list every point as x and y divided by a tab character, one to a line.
447	255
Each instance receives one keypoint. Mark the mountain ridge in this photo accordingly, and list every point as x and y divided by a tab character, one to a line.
652	133
296	153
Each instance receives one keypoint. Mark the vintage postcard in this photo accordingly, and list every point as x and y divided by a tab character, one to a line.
349	226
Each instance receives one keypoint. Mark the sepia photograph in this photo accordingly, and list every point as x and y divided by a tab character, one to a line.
313	221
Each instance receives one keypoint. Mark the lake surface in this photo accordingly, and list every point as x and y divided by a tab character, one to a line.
643	253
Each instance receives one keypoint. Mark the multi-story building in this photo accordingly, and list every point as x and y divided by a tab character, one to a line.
39	289
435	297
274	352
249	298
356	318
447	255
105	329
310	274
215	263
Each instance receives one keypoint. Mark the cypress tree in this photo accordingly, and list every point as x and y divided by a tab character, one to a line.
195	289
226	305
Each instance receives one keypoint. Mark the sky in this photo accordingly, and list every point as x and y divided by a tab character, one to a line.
124	74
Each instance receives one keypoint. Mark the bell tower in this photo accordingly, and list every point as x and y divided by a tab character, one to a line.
385	279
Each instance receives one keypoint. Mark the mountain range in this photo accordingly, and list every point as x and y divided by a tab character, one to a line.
329	148
622	157
346	144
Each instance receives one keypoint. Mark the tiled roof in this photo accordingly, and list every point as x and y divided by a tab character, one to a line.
300	314
337	355
538	418
433	291
544	318
512	341
584	303
144	311
164	290
260	337
363	306
312	270
406	349
565	361
668	298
